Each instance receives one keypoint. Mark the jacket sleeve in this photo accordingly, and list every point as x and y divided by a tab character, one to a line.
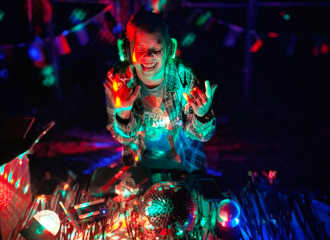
193	128
121	132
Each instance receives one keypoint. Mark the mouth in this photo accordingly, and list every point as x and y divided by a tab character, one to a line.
148	67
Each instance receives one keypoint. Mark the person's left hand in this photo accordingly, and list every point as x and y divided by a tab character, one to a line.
201	102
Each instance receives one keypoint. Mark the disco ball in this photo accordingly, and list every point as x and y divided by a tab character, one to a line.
167	210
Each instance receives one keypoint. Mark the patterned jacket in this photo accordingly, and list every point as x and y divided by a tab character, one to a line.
188	132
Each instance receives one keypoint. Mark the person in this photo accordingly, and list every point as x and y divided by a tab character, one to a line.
156	106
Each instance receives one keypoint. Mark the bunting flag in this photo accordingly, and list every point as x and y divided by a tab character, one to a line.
292	45
36	52
61	45
210	22
256	45
82	36
48	11
232	35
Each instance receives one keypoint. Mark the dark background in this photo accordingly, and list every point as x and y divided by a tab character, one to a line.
287	109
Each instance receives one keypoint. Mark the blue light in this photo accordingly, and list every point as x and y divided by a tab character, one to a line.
66	32
35	52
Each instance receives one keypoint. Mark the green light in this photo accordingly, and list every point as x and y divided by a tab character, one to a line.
2	14
171	186
78	27
175	42
21	156
160	189
48	74
26	188
89	214
203	18
2	169
188	40
40	229
286	17
79	14
203	222
10	176
17	184
120	45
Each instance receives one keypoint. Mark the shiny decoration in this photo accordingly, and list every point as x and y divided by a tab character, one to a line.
167	209
49	220
229	212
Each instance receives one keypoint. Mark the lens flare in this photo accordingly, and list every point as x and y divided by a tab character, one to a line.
118	102
134	58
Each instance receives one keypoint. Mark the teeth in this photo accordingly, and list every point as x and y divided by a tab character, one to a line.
148	66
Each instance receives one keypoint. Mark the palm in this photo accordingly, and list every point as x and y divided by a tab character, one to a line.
201	102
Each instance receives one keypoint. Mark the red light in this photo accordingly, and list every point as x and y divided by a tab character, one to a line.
324	48
273	35
282	13
256	46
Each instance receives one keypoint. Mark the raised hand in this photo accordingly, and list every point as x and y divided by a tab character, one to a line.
199	101
120	95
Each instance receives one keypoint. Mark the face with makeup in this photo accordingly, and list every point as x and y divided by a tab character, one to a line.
148	57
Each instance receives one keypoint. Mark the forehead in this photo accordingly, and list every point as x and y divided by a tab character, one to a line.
143	38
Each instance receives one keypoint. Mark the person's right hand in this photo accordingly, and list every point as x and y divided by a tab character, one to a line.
120	95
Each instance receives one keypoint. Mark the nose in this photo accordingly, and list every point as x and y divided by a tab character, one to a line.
150	53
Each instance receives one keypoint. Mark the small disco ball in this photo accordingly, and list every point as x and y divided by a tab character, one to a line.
167	210
227	225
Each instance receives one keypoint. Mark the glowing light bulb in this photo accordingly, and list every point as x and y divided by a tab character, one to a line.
229	212
49	220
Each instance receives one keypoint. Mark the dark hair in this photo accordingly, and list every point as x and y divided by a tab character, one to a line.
149	22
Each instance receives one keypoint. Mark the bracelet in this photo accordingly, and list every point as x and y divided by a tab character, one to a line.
207	116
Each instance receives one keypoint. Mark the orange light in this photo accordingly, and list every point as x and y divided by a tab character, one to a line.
118	102
66	186
20	162
5	175
134	58
12	181
136	158
185	96
115	86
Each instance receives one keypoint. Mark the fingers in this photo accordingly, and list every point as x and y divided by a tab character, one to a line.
135	93
126	92
200	95
190	101
208	89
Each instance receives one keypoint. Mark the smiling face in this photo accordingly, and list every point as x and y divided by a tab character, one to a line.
148	57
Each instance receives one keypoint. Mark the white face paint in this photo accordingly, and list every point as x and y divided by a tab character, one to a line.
149	56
